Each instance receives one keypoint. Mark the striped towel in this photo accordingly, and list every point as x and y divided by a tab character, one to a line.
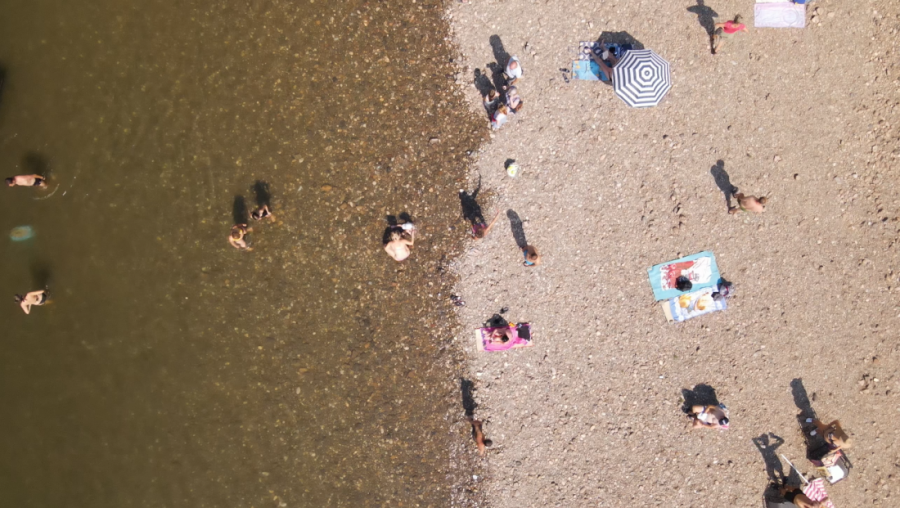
816	491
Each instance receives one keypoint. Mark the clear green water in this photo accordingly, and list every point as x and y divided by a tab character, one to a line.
170	369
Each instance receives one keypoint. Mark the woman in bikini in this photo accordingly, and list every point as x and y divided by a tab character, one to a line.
262	212
238	235
32	298
709	417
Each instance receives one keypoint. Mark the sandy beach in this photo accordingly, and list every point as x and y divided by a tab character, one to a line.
591	415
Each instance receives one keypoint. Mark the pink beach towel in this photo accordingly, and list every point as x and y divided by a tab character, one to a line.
487	340
816	491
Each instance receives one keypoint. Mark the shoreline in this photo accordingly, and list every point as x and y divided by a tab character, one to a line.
591	415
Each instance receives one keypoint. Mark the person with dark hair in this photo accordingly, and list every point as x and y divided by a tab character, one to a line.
238	236
27	181
513	100
795	495
532	258
262	212
402	238
32	298
710	417
727	30
748	204
478	436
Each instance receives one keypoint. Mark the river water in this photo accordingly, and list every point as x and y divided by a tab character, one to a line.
170	369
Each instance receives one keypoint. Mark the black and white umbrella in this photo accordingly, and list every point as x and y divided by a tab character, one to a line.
641	78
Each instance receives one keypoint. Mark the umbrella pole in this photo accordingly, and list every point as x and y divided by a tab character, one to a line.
795	469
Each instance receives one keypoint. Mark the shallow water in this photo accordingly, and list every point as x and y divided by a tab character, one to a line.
170	369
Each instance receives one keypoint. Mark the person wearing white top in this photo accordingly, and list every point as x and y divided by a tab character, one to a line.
513	71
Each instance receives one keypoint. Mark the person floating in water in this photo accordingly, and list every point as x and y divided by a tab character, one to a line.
478	436
401	239
27	181
262	212
238	237
32	298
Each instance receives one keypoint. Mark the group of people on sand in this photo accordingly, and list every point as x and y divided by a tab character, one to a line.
41	296
500	103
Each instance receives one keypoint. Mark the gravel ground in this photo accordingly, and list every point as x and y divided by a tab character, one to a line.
591	416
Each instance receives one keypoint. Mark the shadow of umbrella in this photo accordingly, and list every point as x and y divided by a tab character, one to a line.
620	38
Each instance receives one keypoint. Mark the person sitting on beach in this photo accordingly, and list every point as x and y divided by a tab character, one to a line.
710	417
513	71
237	237
601	60
512	99
532	258
727	30
478	436
32	298
27	181
832	433
499	118
748	204
502	335
262	213
402	238
796	496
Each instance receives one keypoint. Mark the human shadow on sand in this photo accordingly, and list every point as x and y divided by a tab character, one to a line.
768	444
705	16
471	210
699	395
723	181
518	229
467	390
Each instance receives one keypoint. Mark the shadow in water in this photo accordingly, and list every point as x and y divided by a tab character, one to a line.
40	273
723	181
700	395
263	196
705	16
518	229
471	210
2	80
239	212
467	390
35	163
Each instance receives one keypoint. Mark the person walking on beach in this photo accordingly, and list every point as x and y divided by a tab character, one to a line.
401	239
32	298
478	435
748	204
727	30
709	417
238	236
532	258
27	181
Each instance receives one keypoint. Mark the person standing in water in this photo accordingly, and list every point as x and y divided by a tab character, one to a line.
401	239
27	181
238	237
32	298
478	435
262	212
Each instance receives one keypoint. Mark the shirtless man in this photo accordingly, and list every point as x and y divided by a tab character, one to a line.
748	204
398	247
262	212
478	436
236	238
32	298
27	181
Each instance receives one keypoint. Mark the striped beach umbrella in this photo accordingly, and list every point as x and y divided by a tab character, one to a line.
641	78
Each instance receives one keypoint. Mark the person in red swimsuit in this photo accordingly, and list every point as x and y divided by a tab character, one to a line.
727	30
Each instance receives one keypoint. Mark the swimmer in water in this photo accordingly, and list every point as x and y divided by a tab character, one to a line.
478	436
262	212
236	238
32	298
27	181
402	238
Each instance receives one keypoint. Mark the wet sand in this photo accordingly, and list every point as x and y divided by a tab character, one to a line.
591	416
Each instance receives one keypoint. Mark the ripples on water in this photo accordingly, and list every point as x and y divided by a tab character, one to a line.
171	370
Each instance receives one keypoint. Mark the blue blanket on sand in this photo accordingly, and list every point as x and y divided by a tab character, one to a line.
586	69
700	268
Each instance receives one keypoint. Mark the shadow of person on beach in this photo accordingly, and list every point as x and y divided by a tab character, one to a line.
723	181
700	395
471	210
483	83
816	446
239	212
498	66
767	444
705	16
518	229
262	194
467	390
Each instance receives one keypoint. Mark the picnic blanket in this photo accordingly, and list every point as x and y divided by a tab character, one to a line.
815	490
700	268
691	305
521	338
779	15
588	70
